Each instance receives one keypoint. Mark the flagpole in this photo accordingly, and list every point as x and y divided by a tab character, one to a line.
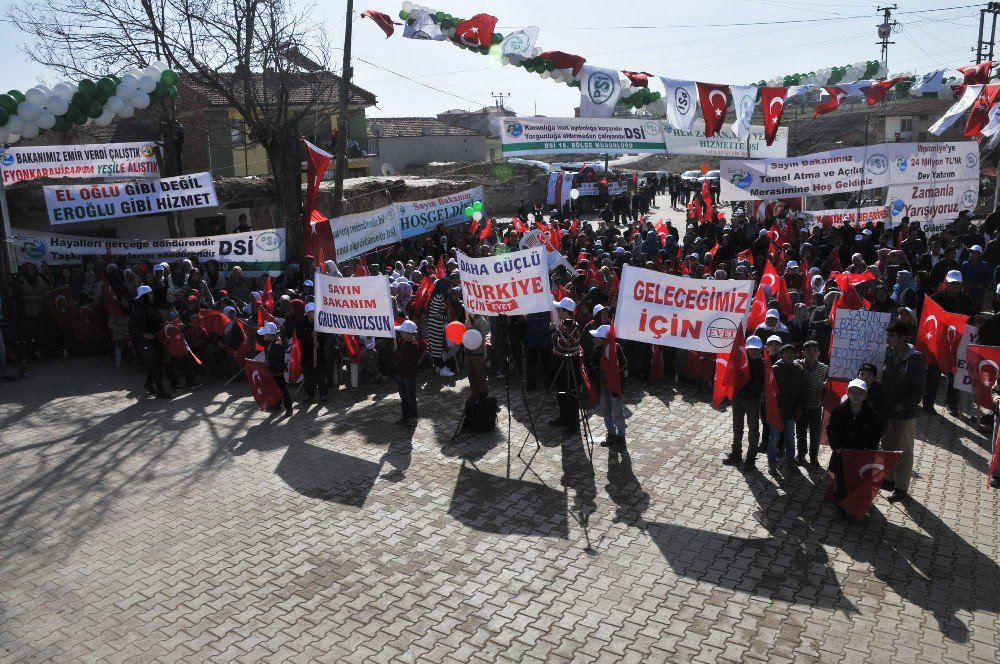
345	93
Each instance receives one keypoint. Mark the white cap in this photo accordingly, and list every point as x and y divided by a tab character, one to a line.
601	332
762	232
953	276
269	328
998	289
619	250
867	231
406	326
792	264
229	311
599	308
774	338
772	313
754	342
307	282
142	291
976	247
859	238
158	267
909	311
858	383
566	303
310	306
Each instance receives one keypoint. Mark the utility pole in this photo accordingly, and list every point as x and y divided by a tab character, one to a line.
886	28
498	99
984	47
345	95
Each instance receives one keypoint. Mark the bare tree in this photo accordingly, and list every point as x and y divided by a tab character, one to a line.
247	51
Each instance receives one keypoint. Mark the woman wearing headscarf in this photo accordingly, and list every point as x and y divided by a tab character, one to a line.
238	286
144	323
437	318
404	296
904	291
34	291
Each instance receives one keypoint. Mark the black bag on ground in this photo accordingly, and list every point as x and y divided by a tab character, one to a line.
480	414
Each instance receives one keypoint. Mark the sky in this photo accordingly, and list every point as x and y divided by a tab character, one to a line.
727	41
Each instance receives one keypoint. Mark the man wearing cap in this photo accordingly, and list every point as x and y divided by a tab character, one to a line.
746	406
790	380
274	356
854	425
143	326
772	326
952	299
977	276
903	382
407	358
566	349
608	374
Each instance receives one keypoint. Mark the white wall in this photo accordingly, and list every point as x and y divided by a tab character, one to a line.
419	150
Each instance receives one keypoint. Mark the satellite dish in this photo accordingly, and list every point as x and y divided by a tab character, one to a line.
388	169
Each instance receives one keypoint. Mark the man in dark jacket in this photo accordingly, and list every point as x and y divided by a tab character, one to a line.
903	380
954	300
746	405
854	425
791	381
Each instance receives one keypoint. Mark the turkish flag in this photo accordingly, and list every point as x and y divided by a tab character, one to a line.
836	390
423	296
440	272
864	473
592	390
778	287
976	74
706	197
745	256
294	359
519	226
638	79
615	283
487	229
832	262
360	268
849	297
979	117
211	320
656	366
317	237
983	363
758	309
355	353
172	339
772	414
264	390
594	277
836	96
240	354
476	32
383	21
609	363
772	103
473	227
879	90
563	60
267	298
88	324
110	301
62	307
939	334
732	372
714	101
316	162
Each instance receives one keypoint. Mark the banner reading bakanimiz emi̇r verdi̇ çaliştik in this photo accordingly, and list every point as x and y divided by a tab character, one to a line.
507	284
354	305
668	310
129	160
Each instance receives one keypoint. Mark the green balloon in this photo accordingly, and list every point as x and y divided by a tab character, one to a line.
4	116
116	79
80	100
404	14
17	95
169	76
162	90
469	211
497	37
95	110
100	97
79	118
172	92
87	87
8	104
106	86
477	206
439	17
62	124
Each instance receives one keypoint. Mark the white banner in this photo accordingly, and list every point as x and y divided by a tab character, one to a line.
69	204
835	217
744	101
256	252
356	234
962	381
416	217
354	305
725	143
519	44
849	170
668	310
507	284
580	136
125	160
858	337
560	184
681	101
599	91
933	204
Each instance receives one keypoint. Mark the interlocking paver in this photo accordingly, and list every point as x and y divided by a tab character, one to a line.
203	530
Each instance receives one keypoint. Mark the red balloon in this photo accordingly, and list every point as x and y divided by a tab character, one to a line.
453	332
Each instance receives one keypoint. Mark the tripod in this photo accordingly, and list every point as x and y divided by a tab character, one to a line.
572	385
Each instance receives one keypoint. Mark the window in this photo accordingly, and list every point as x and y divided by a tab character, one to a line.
906	124
237	131
493	154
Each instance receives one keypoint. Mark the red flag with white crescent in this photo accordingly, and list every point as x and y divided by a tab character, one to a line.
714	100
772	103
772	413
264	390
213	321
864	473
267	297
62	307
487	230
294	359
171	337
240	354
592	390
978	74
89	323
837	95
110	301
384	21
732	371
638	79
609	363
476	32
879	90
983	363
758	310
778	287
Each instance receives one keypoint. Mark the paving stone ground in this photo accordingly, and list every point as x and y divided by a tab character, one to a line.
136	530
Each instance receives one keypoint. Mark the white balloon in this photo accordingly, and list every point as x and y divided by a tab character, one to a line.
140	99
127	111
57	105
46	120
134	71
535	52
472	339
407	6
31	131
104	120
147	84
114	104
27	111
531	218
152	72
13	138
15	124
574	194
543	74
3	135
477	215
128	85
64	90
36	96
160	66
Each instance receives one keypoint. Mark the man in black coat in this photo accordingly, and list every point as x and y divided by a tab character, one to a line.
746	406
853	425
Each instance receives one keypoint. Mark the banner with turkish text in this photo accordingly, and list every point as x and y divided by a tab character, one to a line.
354	305
74	203
507	284
858	337
102	160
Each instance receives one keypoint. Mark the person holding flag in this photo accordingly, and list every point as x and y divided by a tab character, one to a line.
143	326
903	381
791	382
746	405
608	363
854	425
274	356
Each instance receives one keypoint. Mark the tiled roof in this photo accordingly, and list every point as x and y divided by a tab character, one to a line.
302	89
406	127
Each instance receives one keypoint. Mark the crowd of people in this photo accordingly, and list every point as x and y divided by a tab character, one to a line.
891	269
